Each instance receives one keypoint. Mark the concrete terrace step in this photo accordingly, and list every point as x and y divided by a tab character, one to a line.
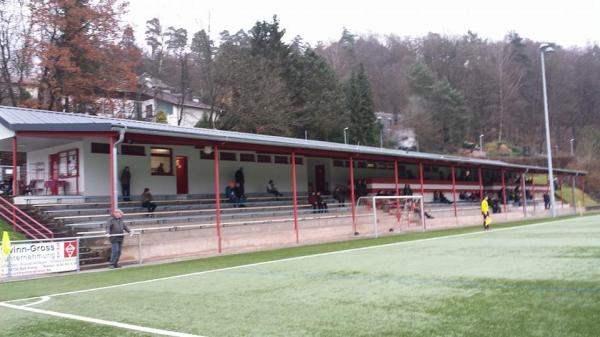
202	218
138	209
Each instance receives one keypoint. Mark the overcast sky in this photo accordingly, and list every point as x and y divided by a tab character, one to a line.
566	22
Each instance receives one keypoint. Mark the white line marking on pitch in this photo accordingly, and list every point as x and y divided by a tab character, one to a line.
294	259
42	300
99	321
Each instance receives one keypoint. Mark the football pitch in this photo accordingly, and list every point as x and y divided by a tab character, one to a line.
540	279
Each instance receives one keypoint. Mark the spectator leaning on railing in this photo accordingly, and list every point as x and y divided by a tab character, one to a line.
114	229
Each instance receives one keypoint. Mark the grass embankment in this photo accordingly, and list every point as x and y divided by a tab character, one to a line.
4	227
86	280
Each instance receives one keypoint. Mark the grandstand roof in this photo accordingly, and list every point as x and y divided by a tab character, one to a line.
21	119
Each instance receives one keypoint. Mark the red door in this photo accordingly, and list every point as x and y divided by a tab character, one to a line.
54	162
320	178
182	175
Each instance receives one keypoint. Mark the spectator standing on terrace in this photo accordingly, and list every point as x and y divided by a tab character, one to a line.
114	229
339	195
546	200
239	180
147	200
273	190
126	183
407	190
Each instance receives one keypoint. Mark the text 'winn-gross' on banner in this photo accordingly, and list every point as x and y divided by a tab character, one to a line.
27	259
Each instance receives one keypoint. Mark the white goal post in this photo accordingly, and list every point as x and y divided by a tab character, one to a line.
408	204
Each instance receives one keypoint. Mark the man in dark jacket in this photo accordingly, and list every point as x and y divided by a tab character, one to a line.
126	183
239	179
114	229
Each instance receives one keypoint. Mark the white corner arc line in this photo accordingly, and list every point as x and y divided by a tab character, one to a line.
99	321
401	243
42	300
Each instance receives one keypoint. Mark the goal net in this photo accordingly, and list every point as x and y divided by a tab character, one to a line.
383	214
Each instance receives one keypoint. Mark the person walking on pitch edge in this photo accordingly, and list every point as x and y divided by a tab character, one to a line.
114	229
485	211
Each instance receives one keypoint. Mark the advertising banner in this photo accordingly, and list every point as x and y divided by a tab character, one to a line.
27	259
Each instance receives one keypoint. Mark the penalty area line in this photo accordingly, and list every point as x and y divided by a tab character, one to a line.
126	326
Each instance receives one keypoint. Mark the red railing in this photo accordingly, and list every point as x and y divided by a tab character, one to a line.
23	222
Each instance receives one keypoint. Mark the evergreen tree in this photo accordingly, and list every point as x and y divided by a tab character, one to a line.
359	100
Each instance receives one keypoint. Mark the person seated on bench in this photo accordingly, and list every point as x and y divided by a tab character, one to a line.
238	190
436	196
230	193
322	204
314	201
417	210
443	198
273	190
147	200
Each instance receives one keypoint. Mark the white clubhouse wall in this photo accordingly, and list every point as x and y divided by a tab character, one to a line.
200	173
43	156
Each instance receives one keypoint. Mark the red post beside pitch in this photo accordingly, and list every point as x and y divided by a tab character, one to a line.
15	183
217	199
397	190
533	191
480	184
295	196
352	195
454	190
112	173
524	194
504	192
583	191
421	179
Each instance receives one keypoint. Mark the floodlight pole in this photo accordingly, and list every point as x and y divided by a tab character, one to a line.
481	142
346	135
524	195
543	49
572	147
480	174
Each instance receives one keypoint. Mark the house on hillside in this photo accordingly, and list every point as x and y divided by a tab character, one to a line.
153	98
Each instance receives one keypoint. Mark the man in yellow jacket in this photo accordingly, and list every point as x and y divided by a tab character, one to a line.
485	211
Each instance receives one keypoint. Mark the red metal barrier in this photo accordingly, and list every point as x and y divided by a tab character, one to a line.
19	220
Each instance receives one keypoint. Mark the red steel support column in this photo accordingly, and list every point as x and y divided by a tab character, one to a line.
15	183
352	195
15	186
111	170
583	192
421	179
524	194
533	191
480	184
504	193
217	198
295	196
397	190
454	190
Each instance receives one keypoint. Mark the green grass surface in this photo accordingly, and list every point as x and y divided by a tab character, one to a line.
8	228
540	280
568	196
